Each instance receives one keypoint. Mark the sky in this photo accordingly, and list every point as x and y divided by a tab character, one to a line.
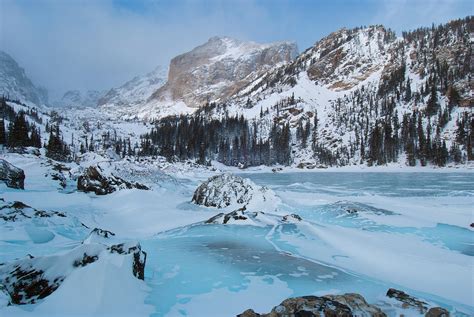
86	44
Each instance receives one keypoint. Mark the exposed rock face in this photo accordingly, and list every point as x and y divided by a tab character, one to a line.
16	85
30	279
229	190
220	67
346	305
11	175
94	180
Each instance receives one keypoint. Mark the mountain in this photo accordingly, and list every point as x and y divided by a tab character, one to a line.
357	96
76	98
15	84
212	71
219	67
133	93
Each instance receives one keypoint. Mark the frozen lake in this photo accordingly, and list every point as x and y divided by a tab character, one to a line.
365	233
361	232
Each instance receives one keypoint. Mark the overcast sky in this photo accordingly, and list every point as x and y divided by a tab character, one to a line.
73	44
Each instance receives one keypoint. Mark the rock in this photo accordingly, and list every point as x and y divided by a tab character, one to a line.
249	313
11	175
346	305
219	68
98	235
94	180
407	300
437	312
225	190
236	215
30	279
12	212
291	218
139	257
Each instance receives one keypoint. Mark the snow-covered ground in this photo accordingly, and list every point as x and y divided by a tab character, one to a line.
360	232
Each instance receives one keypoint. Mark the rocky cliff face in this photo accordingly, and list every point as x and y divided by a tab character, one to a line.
14	83
219	68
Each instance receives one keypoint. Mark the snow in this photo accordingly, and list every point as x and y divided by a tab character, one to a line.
407	228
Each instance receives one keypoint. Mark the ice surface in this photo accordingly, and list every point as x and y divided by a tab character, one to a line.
361	232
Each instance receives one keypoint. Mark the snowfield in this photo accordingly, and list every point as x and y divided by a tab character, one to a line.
354	232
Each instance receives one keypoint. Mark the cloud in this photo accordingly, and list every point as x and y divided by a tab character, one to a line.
85	44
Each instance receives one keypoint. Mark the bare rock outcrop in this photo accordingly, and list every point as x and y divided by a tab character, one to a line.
11	175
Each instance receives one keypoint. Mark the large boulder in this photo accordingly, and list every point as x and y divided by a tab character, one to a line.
28	280
11	175
94	179
227	190
346	305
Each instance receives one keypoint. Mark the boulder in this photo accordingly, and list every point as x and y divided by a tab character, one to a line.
94	180
437	312
346	305
11	175
226	190
408	301
28	280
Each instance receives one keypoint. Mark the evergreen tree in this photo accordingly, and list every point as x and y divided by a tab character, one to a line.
3	134
18	132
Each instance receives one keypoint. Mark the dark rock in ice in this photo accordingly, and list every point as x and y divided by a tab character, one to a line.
94	180
437	312
346	305
408	301
139	257
11	175
291	217
17	210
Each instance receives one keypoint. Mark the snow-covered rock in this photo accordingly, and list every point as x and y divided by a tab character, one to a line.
11	175
15	84
99	235
314	306
254	218
228	190
33	278
95	180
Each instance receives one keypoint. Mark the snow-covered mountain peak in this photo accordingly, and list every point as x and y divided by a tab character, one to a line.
15	84
217	69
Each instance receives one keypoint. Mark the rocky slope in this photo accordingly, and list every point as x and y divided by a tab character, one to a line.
355	96
122	100
15	84
78	99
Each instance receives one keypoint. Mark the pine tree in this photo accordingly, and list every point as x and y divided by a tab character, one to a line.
18	132
3	135
432	106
